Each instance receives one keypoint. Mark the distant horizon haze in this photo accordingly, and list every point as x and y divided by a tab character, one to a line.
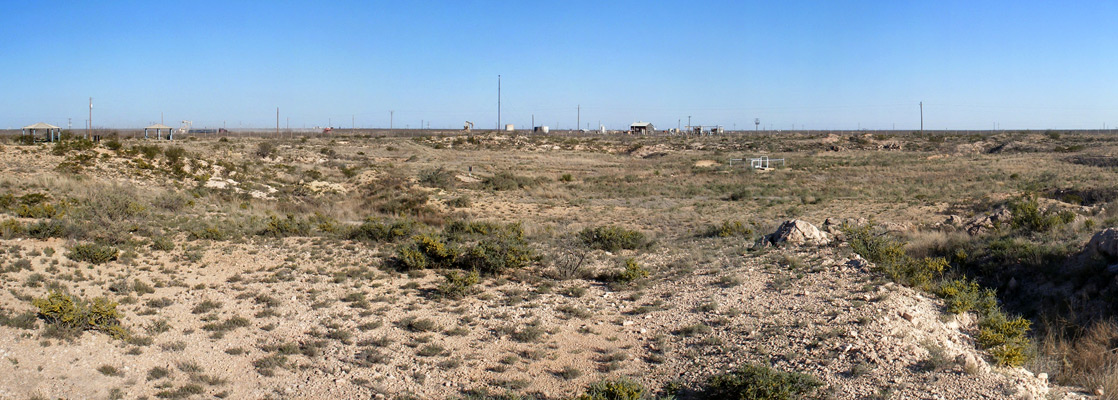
798	65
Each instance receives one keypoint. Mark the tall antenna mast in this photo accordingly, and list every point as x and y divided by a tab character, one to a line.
921	117
498	102
88	131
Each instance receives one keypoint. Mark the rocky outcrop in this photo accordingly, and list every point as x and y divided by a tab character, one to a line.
1104	243
983	224
799	232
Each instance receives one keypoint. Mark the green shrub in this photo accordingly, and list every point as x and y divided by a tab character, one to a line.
162	243
753	382
507	181
728	228
1004	338
26	320
438	178
619	389
458	284
889	257
502	251
566	178
265	149
92	253
284	227
632	271
377	231
112	144
69	316
425	251
10	228
46	229
174	155
1028	217
962	295
613	238
149	151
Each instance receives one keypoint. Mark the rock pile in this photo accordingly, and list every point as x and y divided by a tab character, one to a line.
799	232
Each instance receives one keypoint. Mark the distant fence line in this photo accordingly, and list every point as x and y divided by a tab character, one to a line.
315	133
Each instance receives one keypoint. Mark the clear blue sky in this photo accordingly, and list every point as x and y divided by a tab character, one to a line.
820	65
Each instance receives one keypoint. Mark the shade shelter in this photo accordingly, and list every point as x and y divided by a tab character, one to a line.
53	133
158	130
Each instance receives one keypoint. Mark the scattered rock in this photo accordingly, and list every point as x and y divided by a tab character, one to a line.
1104	242
799	232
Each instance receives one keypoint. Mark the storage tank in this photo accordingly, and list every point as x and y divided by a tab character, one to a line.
509	128
545	129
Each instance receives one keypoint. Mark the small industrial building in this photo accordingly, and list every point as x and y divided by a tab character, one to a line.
53	133
158	129
642	128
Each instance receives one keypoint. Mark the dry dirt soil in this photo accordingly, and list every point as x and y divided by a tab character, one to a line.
237	274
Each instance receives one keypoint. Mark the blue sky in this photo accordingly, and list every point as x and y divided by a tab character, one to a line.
819	65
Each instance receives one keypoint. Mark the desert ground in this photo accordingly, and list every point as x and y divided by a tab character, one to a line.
495	265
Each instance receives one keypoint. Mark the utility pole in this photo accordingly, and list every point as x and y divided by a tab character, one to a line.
352	122
921	117
391	113
277	122
160	118
578	120
533	122
88	132
678	124
688	122
498	102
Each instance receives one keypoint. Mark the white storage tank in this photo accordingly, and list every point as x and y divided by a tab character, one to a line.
545	129
509	128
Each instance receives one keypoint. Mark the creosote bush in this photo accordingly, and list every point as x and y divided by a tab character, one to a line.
68	316
507	181
92	253
618	389
613	238
754	382
728	228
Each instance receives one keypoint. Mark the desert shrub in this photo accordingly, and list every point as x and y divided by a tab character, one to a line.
566	178
149	151
162	243
613	238
1027	216
507	181
889	256
69	316
10	228
962	295
112	144
504	250
174	154
458	284
92	253
65	146
425	251
1004	338
754	382
25	320
459	202
47	229
728	228
618	389
374	230
438	178
265	149
284	227
41	210
632	271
